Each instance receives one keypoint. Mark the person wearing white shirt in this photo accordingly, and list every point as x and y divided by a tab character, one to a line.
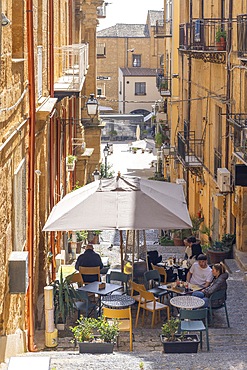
200	273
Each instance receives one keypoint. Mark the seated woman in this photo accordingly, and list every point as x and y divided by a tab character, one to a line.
218	283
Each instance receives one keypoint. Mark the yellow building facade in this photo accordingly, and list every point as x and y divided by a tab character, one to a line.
47	72
208	132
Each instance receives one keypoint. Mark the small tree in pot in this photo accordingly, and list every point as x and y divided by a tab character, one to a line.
174	342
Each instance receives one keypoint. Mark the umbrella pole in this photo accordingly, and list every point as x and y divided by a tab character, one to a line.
133	254
121	250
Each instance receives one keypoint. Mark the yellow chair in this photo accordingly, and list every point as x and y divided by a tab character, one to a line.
75	278
90	271
136	288
148	303
124	317
162	272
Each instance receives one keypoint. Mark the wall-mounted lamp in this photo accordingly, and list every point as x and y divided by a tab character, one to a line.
175	75
92	106
5	20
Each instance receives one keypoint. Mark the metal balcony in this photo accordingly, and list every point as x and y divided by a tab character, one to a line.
242	35
73	60
239	123
198	39
159	29
190	149
163	83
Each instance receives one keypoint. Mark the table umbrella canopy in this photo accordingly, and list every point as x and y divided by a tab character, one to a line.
123	203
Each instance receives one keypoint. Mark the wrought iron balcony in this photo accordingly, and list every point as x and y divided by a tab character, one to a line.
159	29
163	83
73	60
204	39
239	123
190	149
242	35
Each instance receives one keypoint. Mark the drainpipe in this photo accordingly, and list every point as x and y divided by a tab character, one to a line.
52	169
58	125
31	164
228	83
64	150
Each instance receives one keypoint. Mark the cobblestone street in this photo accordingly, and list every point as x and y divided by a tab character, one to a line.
228	346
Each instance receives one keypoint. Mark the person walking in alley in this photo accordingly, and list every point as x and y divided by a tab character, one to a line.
89	259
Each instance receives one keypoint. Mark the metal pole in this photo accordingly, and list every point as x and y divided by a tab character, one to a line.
106	166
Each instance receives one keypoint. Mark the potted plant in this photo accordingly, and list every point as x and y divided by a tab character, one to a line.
134	150
81	237
70	162
95	335
63	298
220	39
93	236
220	250
174	342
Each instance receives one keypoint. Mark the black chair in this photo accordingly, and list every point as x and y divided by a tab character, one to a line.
152	280
118	277
191	320
216	301
153	258
82	303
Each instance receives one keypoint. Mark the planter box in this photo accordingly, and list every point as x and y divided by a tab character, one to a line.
216	256
95	347
181	347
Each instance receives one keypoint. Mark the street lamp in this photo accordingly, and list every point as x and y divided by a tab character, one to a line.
92	106
5	20
105	151
96	174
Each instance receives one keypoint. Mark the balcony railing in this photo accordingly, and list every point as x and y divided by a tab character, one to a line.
101	11
217	161
163	84
168	28
200	35
242	35
73	60
239	123
159	29
190	149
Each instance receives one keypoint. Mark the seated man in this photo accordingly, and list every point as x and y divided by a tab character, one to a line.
200	273
89	259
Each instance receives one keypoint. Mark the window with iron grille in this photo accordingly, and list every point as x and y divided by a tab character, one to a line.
140	88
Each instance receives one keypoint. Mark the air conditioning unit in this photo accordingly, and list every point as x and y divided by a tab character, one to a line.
223	180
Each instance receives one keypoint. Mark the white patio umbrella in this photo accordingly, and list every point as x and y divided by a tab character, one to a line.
123	203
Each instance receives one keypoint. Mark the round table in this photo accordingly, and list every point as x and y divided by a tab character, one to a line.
118	301
187	302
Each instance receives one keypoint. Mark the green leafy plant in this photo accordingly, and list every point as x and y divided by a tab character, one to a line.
196	223
220	34
166	240
81	236
63	297
207	230
159	139
71	158
170	328
228	240
88	328
110	171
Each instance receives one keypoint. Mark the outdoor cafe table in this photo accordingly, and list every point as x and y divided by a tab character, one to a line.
187	302
118	301
173	288
94	288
